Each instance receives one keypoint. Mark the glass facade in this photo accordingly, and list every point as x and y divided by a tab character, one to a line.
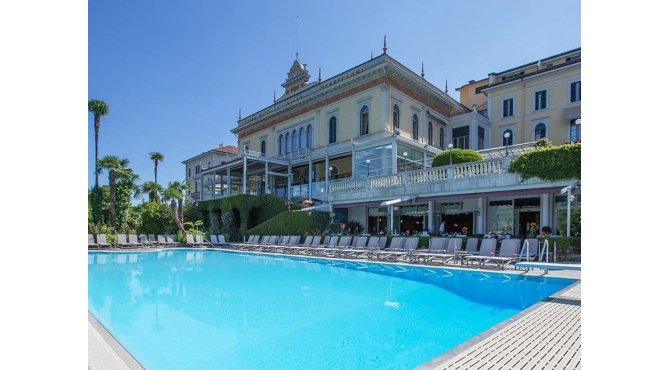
375	161
412	161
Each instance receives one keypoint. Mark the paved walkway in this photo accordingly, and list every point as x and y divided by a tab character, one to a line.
546	336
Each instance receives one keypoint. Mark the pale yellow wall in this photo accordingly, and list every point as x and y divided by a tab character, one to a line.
409	107
557	83
347	112
468	96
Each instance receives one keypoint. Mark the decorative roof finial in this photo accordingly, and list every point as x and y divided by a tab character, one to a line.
384	44
319	74
274	101
422	70
240	113
446	88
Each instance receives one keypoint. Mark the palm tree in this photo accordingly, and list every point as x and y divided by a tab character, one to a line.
99	108
116	167
156	157
151	188
175	194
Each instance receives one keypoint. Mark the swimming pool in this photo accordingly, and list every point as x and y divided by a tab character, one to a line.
211	309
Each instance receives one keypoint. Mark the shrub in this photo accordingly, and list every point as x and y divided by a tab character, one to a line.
457	155
292	223
156	218
551	163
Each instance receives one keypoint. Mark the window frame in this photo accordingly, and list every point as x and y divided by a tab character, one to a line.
414	126
396	116
540	100
332	130
364	120
507	111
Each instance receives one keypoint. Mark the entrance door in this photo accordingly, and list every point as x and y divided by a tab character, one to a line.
524	220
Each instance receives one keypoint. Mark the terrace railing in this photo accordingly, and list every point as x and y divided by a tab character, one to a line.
493	167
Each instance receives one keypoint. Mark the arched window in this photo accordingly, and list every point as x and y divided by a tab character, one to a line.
396	116
539	131
414	131
263	147
441	137
302	138
294	145
574	130
280	144
333	130
309	143
364	120
287	142
430	141
507	141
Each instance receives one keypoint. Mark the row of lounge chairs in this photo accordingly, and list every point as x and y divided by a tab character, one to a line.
440	249
150	241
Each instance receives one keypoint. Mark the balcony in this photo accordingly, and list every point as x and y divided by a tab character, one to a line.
468	178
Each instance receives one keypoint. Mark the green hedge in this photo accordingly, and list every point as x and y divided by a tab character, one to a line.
552	163
458	156
292	223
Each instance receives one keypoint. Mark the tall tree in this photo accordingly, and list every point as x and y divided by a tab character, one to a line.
118	170
174	193
153	189
99	108
156	157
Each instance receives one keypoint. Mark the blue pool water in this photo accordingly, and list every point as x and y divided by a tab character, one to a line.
208	309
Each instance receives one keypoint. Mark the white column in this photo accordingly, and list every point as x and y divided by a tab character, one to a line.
480	226
430	216
229	182
266	177
290	180
311	168
327	177
474	132
244	177
384	107
352	159
545	210
394	159
392	220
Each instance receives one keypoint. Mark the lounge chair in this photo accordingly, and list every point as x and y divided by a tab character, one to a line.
199	238
162	240
361	246
172	240
102	241
395	249
252	239
144	241
91	242
221	240
450	252
121	241
507	254
190	242
343	245
152	240
488	247
375	247
134	243
435	247
329	243
298	248
253	243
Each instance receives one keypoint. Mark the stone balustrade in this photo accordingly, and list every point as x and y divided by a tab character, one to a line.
438	174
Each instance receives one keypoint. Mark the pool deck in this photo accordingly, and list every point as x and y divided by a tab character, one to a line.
544	336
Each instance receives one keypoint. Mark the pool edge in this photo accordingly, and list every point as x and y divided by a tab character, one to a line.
111	344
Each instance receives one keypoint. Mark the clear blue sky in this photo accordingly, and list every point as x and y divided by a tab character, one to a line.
176	73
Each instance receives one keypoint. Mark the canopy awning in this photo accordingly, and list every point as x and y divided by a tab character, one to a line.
572	112
323	207
398	200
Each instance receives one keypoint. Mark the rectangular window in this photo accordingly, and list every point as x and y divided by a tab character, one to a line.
540	100
507	108
575	90
197	169
481	138
461	137
188	171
